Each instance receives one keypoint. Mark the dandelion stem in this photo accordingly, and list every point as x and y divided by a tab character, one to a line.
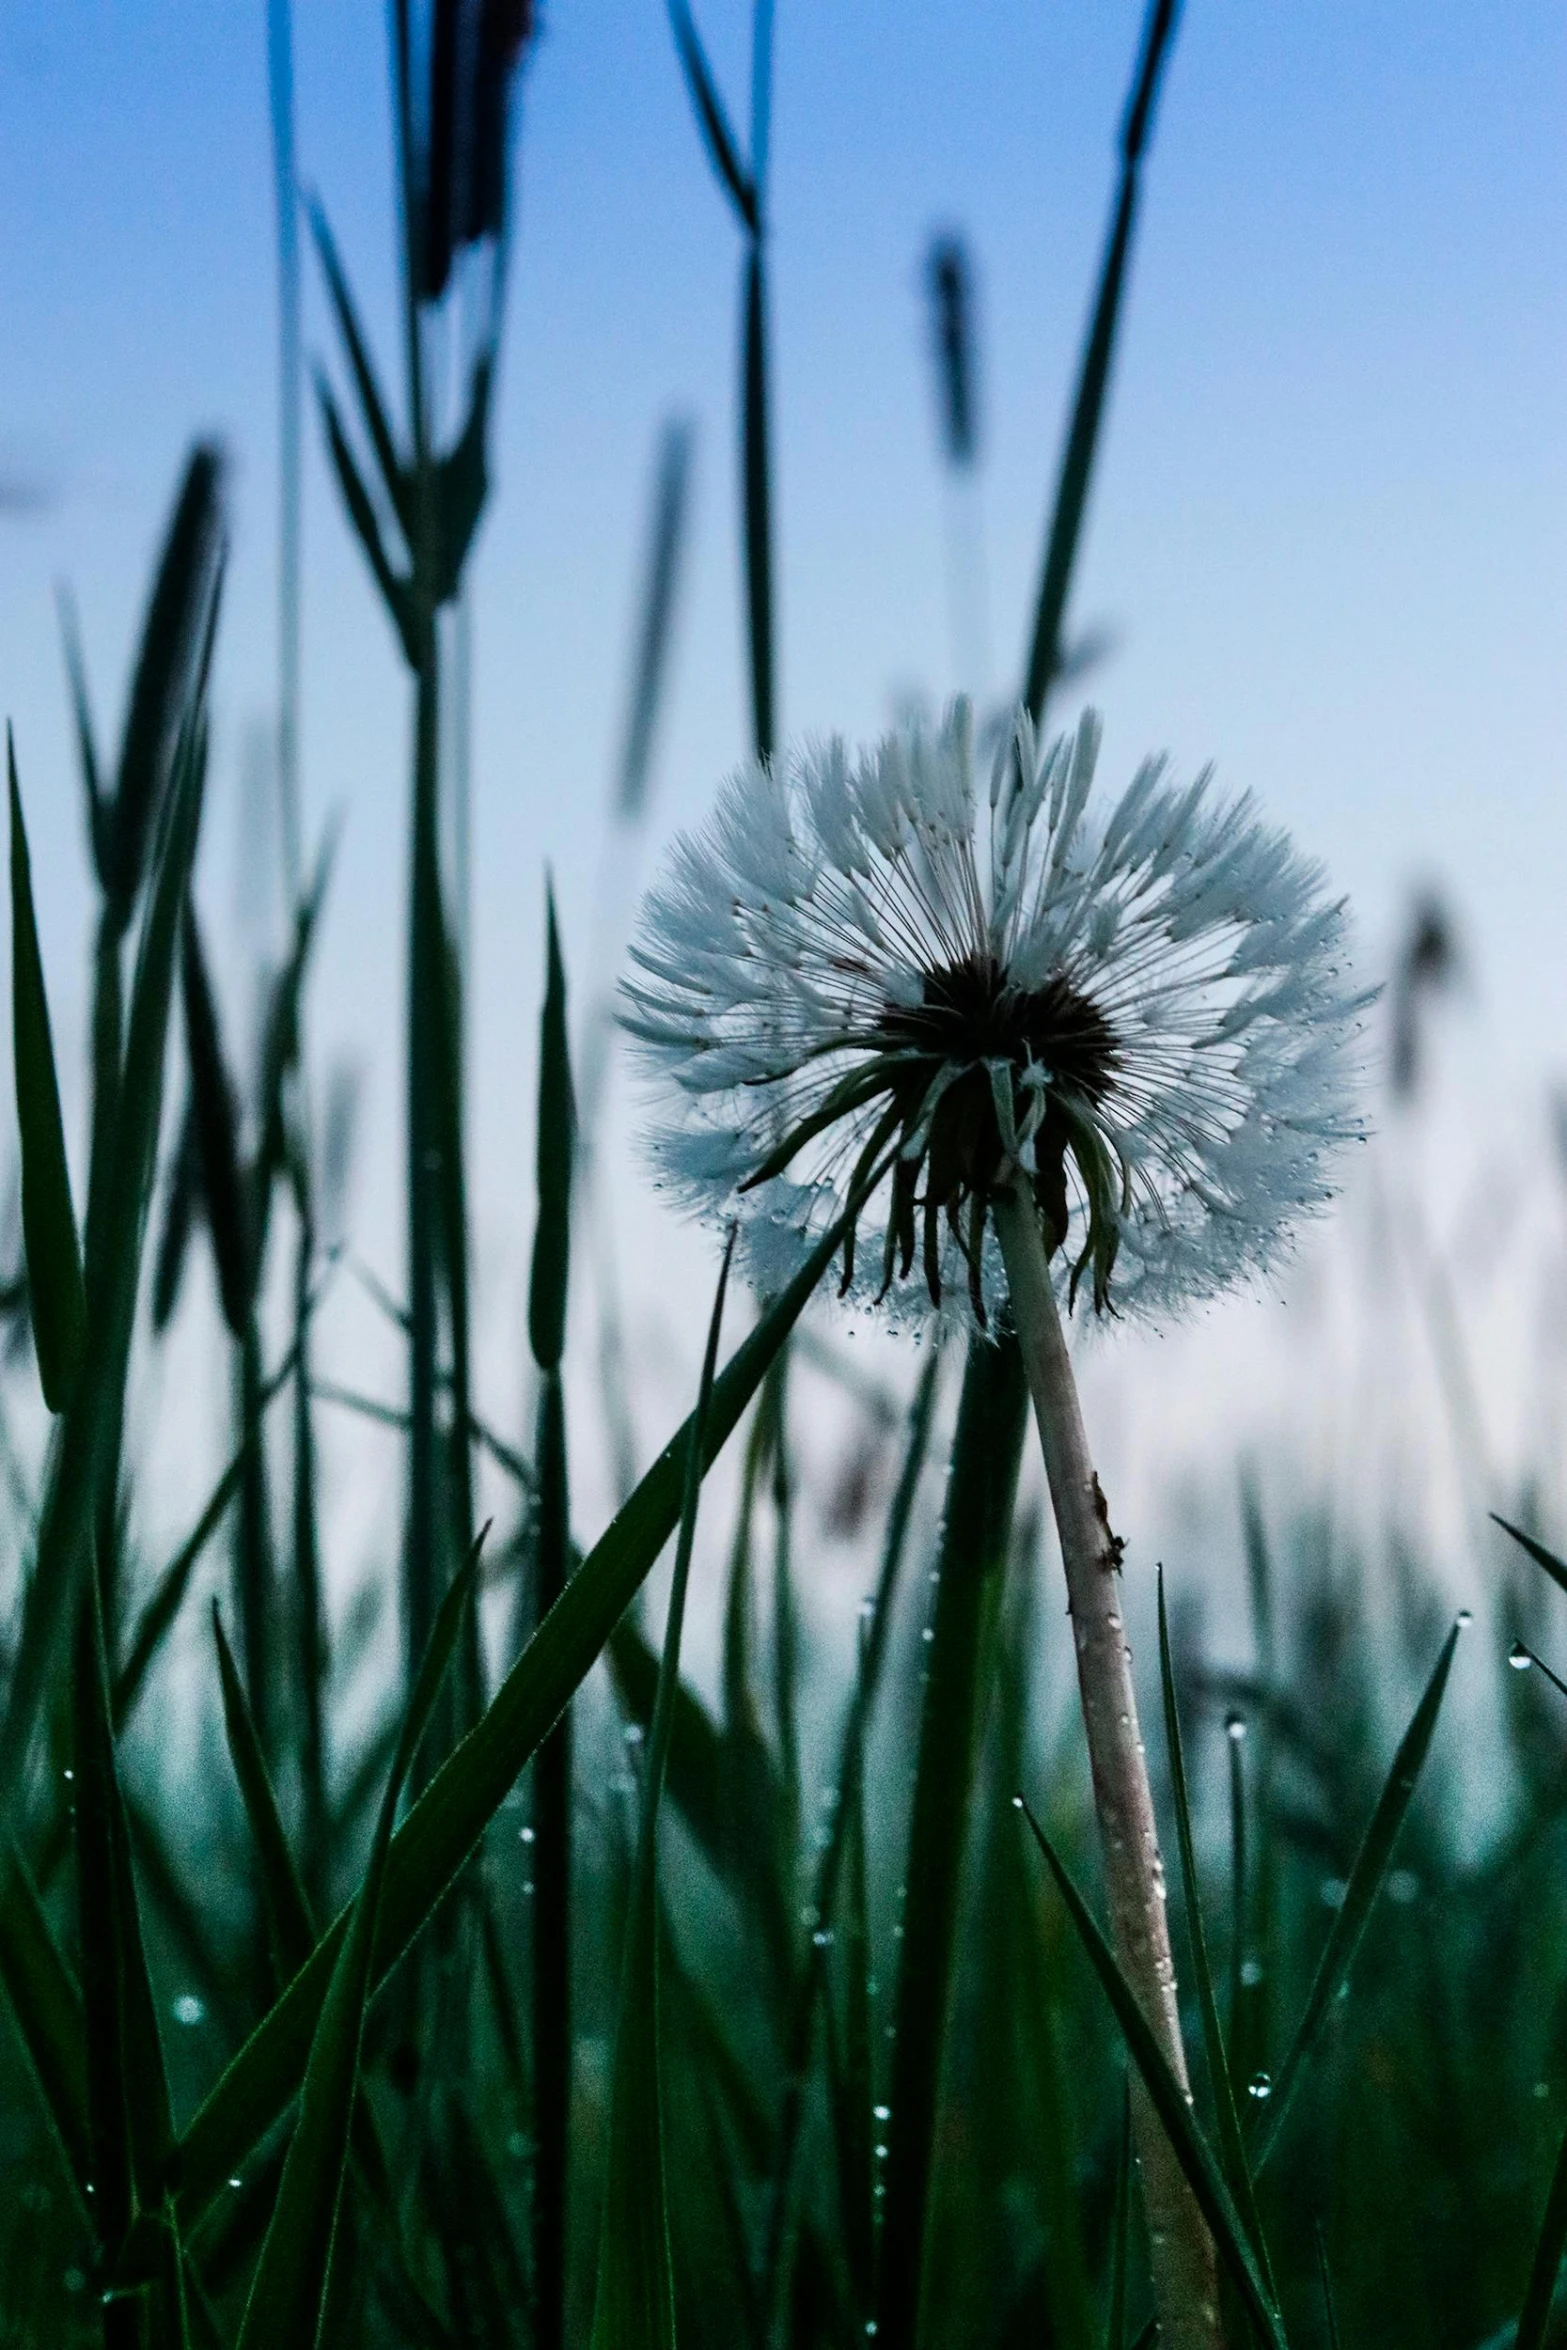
1181	2252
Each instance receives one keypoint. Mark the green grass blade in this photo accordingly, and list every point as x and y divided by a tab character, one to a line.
1360	1892
86	737
56	1297
169	662
181	1198
851	1766
635	2301
47	2005
372	406
288	1909
655	630
1232	2146
1556	1568
89	1431
217	1132
556	1144
446	1823
396	592
1170	2102
717	136
1077	461
758	505
976	1534
288	2292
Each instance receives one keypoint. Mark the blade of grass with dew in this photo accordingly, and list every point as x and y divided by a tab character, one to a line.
857	2134
446	1823
635	2299
750	1790
786	1634
57	1299
552	1772
1094	371
89	1429
976	1532
1232	2146
1365	1882
1169	2100
47	2006
288	2291
812	1975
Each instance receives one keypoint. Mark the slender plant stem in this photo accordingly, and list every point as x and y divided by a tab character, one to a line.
1181	2252
291	386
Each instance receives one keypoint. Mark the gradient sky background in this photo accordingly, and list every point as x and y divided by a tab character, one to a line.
1330	521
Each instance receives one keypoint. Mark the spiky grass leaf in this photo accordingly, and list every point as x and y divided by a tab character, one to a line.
56	1297
446	1823
1120	2231
289	1921
1093	381
1556	1568
288	2293
556	1146
1169	2100
47	2005
758	505
634	2308
655	627
1360	1892
169	662
217	1131
719	139
1232	2146
396	593
89	1428
372	406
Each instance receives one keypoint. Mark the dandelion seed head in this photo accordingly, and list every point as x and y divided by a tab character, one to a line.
863	974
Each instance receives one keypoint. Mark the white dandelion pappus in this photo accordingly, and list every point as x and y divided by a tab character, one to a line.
1145	1007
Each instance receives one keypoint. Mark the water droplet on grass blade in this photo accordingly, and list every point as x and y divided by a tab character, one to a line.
1519	1657
1235	1728
1465	1618
1260	2086
188	2009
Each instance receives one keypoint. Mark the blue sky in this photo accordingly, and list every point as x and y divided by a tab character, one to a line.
1330	524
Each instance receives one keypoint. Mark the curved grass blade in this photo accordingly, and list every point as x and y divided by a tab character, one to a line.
1365	1882
396	592
758	505
288	2292
1232	2146
86	739
634	2308
716	133
170	661
661	579
1044	659
47	2005
446	1823
1169	2100
56	1297
89	1429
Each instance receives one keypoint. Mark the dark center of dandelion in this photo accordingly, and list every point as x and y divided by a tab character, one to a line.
971	1014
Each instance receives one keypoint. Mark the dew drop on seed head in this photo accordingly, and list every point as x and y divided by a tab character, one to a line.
1519	1657
1235	1728
1260	2086
1017	1803
1465	1618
